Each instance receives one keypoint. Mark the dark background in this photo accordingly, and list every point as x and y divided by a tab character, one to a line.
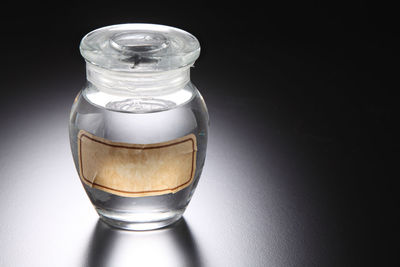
301	96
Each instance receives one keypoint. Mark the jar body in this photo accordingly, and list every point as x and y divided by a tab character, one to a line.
140	120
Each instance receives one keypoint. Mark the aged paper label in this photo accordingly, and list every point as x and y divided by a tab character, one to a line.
136	170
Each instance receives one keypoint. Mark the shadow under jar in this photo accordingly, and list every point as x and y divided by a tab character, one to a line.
138	130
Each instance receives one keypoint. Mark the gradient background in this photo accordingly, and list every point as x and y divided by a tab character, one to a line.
303	151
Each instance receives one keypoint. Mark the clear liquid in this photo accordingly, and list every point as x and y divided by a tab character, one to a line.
141	120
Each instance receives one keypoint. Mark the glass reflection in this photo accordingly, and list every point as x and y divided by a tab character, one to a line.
170	246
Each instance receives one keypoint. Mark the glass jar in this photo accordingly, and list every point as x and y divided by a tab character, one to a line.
138	130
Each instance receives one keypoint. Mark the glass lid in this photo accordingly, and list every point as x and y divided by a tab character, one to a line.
140	48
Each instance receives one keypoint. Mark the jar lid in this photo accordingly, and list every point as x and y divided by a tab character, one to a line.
140	48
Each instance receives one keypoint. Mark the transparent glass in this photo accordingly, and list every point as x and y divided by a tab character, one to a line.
140	119
132	122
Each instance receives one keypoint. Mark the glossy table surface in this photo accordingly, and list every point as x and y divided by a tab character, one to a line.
242	214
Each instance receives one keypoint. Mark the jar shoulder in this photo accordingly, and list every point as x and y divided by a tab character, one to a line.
141	103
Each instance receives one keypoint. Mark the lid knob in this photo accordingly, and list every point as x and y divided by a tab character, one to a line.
138	42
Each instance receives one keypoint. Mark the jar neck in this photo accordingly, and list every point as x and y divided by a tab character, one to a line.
137	83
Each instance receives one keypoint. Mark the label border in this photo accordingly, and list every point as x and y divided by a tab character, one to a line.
190	137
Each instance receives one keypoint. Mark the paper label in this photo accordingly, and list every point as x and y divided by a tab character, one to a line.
136	170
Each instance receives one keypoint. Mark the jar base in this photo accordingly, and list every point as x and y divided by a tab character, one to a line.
139	222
